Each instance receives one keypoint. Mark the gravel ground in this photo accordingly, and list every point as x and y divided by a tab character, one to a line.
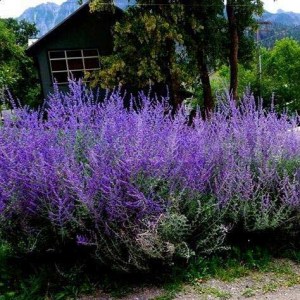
292	293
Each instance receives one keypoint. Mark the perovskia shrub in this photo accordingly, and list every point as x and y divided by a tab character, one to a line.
138	185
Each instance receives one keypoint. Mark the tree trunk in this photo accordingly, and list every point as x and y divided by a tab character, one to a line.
197	47
206	87
234	49
175	91
172	78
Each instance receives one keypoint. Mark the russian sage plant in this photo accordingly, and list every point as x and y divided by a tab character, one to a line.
137	184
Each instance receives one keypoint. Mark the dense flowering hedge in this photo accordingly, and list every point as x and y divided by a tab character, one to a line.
138	185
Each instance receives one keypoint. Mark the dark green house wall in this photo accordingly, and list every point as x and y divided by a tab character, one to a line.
82	30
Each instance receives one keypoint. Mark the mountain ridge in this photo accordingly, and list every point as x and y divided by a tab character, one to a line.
48	15
282	17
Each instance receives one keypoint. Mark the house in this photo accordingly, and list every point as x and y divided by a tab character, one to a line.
74	46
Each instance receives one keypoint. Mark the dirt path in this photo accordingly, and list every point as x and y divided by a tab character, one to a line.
292	293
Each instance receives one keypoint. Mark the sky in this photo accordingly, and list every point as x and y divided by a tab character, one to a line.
14	8
286	5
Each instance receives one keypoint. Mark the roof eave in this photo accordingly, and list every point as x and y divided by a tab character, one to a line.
32	49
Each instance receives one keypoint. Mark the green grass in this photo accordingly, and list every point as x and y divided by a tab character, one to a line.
28	280
234	265
170	290
270	287
213	292
21	280
248	292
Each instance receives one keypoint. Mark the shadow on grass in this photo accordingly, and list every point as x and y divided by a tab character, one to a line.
68	275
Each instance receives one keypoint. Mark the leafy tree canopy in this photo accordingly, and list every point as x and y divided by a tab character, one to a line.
10	55
22	30
280	76
282	70
176	42
17	72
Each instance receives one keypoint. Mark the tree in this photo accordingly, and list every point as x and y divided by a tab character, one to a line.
240	14
147	40
17	72
282	73
22	30
157	40
146	51
280	76
10	55
202	25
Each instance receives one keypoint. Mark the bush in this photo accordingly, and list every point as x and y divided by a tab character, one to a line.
138	186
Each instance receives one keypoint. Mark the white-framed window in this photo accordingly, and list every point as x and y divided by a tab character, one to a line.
66	64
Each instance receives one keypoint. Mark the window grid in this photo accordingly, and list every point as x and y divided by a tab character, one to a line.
67	59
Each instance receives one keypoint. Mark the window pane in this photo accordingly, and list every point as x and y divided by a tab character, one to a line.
90	52
91	63
77	74
58	65
75	64
61	77
74	53
57	54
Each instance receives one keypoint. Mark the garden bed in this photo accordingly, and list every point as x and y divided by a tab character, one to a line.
137	188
